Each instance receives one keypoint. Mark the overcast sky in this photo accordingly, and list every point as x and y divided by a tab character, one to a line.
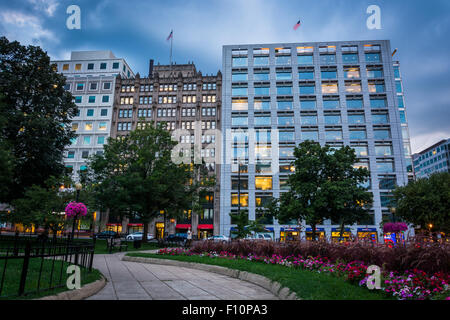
137	30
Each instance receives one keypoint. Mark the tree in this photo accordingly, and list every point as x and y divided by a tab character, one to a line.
6	158
347	198
42	206
324	185
425	201
38	111
241	221
138	172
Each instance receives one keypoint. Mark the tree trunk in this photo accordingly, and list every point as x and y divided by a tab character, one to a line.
144	235
341	233
313	228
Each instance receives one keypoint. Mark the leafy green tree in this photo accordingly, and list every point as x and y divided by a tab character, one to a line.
38	111
138	172
425	201
241	220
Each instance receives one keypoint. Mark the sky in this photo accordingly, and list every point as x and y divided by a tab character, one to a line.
136	30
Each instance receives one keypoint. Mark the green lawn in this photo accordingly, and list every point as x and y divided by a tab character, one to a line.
306	284
101	248
59	277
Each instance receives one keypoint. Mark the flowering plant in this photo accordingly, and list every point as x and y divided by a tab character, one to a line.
395	227
74	209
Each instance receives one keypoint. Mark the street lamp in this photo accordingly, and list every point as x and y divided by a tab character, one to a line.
78	187
393	213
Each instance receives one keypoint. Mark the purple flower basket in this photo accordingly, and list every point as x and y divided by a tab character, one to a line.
74	209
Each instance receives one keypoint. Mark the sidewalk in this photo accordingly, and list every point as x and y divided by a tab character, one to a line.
142	281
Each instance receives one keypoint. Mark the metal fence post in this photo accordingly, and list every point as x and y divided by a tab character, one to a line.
23	276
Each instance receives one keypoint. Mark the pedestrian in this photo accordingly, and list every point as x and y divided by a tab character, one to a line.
189	238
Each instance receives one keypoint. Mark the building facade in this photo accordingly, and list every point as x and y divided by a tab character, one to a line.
435	158
277	95
189	104
90	77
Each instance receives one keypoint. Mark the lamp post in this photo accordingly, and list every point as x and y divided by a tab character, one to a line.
78	187
393	213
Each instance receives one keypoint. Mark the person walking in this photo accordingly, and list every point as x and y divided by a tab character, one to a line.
189	238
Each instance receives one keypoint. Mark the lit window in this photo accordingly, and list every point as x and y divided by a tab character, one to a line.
263	183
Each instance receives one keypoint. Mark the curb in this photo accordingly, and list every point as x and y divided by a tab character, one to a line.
274	287
80	294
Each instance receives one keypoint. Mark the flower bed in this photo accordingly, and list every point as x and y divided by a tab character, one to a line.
406	285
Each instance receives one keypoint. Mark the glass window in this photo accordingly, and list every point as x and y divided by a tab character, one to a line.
284	90
357	134
308	120
261	76
382	134
374	73
80	86
283	60
285	120
261	105
71	154
329	74
398	86
262	151
332	119
239	91
355	103
329	88
350	58
356	118
263	167
286	136
262	91
78	67
373	57
261	61
405	133
333	135
330	104
383	150
377	103
239	76
102	126
305	60
286	152
239	104
90	112
351	73
353	87
239	121
306	75
90	66
376	87
240	152
361	151
387	183
310	135
327	58
239	61
380	118
91	99
101	140
78	99
284	75
396	72
115	65
262	121
263	136
103	65
105	99
400	102
263	183
107	85
385	166
307	89
307	104
284	105
87	140
402	117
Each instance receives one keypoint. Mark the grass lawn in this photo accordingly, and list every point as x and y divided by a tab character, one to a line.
306	284
101	248
59	277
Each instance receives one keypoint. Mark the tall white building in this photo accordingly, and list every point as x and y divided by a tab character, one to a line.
274	96
91	77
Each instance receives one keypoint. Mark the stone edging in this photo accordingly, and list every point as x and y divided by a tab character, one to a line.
272	286
80	294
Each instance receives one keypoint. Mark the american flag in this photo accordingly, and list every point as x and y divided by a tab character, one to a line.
170	35
297	25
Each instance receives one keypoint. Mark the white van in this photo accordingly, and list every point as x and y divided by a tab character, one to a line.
261	236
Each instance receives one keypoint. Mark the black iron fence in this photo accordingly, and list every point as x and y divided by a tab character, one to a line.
32	266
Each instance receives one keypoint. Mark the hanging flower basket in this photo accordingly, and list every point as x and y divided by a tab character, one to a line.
74	209
394	227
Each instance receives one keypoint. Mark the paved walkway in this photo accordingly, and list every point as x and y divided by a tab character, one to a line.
143	281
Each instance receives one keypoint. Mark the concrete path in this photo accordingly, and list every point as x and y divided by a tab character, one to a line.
143	281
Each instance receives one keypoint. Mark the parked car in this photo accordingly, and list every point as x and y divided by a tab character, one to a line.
177	237
260	236
106	234
138	236
219	238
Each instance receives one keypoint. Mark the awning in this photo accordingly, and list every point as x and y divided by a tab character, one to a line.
289	229
367	229
113	224
339	229
205	226
135	224
183	226
268	229
317	229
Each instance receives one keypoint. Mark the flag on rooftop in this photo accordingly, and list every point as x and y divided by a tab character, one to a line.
170	35
297	25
